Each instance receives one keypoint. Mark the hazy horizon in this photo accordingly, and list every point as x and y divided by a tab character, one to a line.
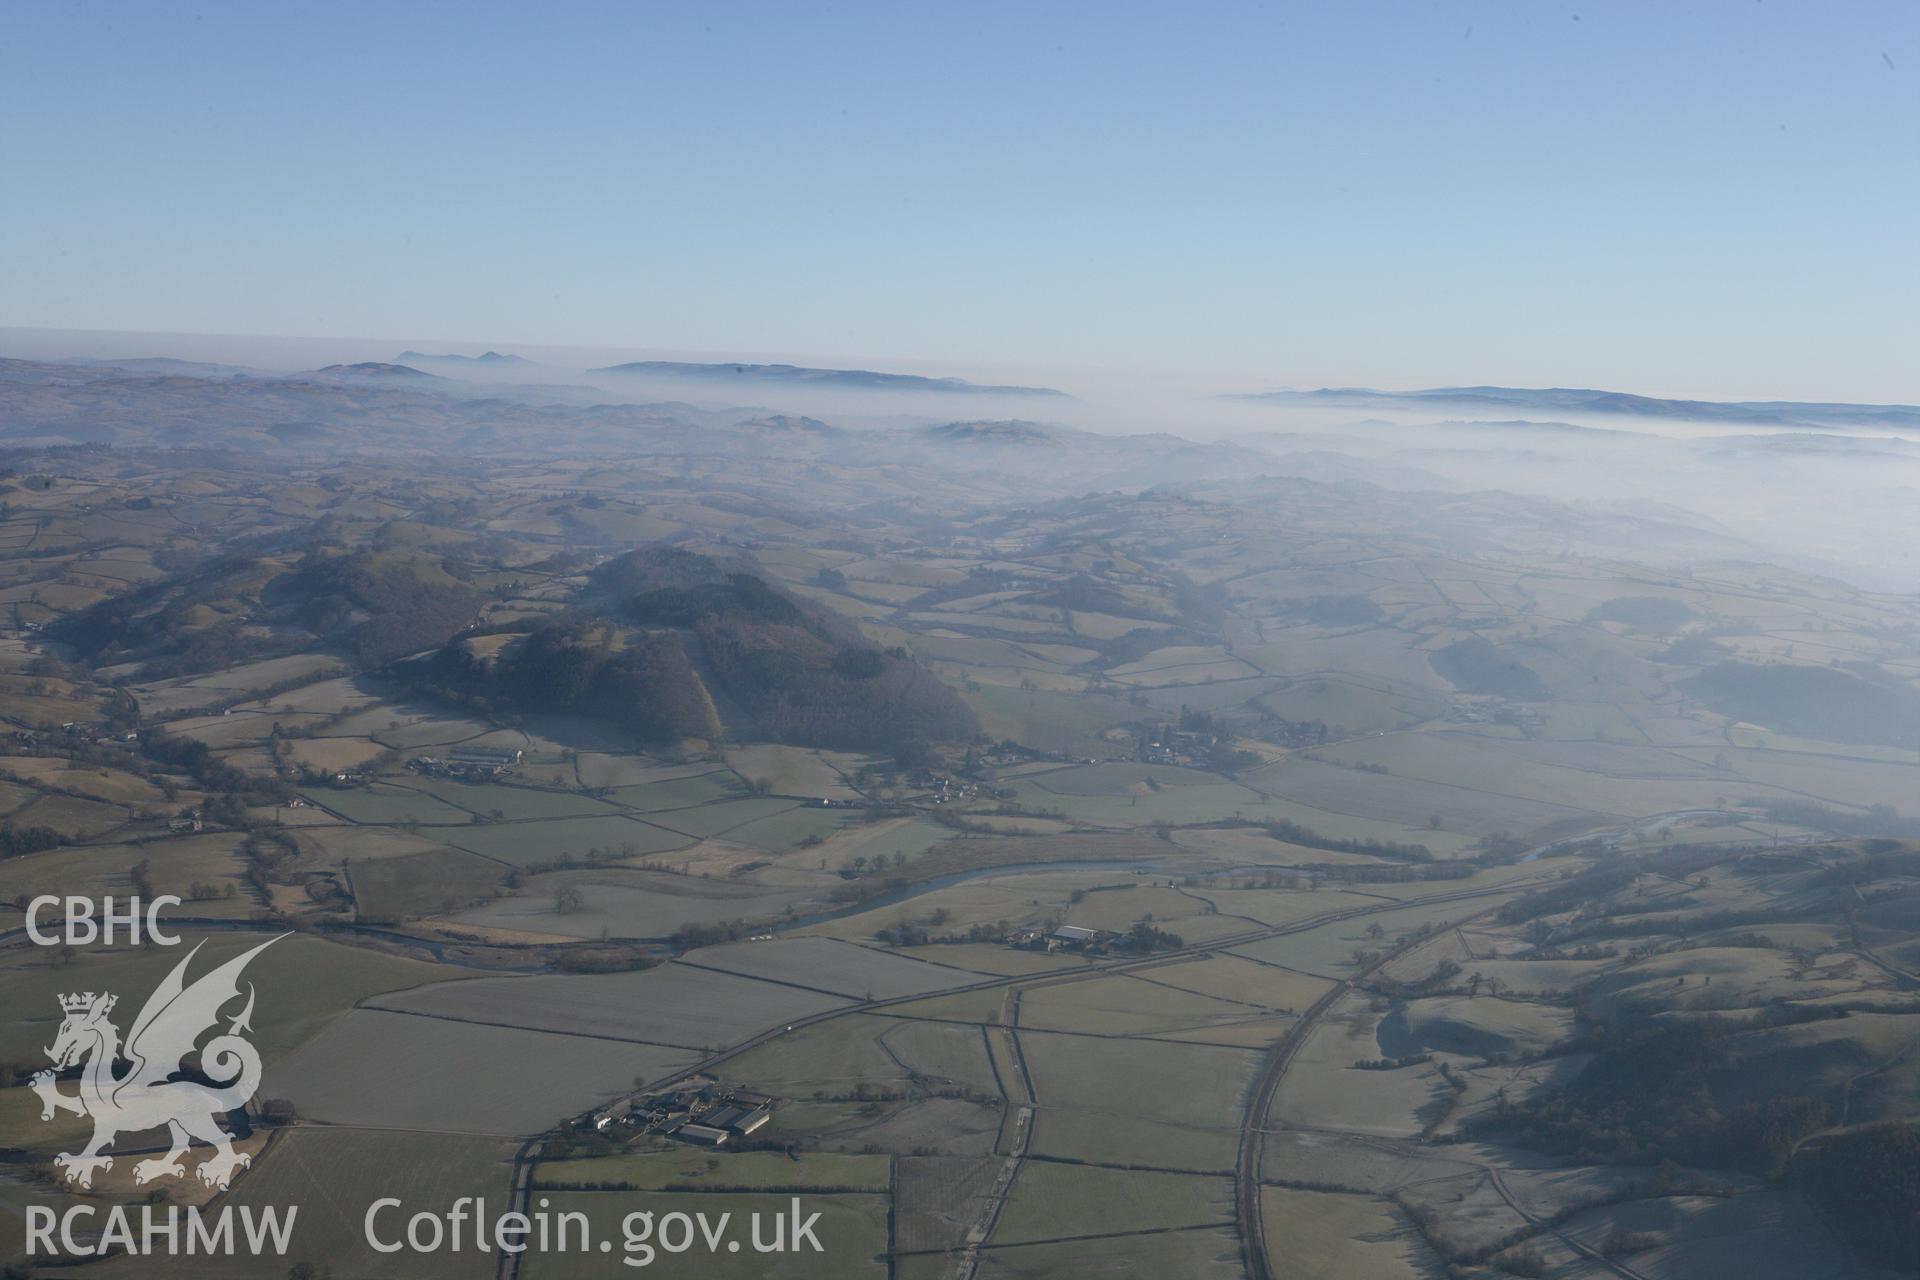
291	353
1216	642
1700	199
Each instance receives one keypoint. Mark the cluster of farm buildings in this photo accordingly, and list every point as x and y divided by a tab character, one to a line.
1066	937
706	1115
467	762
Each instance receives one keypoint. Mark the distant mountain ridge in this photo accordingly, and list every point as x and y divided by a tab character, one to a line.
862	379
1584	400
488	357
1010	432
374	369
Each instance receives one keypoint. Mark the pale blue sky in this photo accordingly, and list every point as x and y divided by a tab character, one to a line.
1715	196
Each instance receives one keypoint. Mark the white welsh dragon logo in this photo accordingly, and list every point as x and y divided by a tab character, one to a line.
147	1095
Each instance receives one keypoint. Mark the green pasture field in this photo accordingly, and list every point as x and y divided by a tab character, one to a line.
928	1126
797	771
1190	1084
993	958
1122	1005
14	795
1115	777
1252	845
1518	874
1323	1088
852	1231
679	793
192	692
327	755
1343	1237
1229	977
1586	721
684	1168
943	1054
937	1199
72	816
1103	626
670	1004
716	819
828	965
1048	720
603	769
1050	1201
323	697
1174	804
1359	708
112	786
562	839
962	1006
303	981
1094	1137
778	832
1018	898
385	803
331	843
1411	802
1461	760
375	1069
1448	842
1217	695
1327	950
1117	909
1836	780
430	882
831	1059
424	734
1377	658
1720	978
512	802
1275	907
334	1175
1192	1255
888	838
175	865
625	902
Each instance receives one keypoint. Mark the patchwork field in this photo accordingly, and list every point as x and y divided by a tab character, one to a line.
675	1006
836	967
378	1069
333	1174
815	731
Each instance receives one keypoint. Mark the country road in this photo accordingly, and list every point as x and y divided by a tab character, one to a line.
522	1164
1247	1161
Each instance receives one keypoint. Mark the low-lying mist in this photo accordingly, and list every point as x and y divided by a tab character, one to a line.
1840	500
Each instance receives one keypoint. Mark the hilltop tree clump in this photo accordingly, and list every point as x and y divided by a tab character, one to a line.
1868	1182
806	674
177	625
1860	704
1648	1095
640	682
375	607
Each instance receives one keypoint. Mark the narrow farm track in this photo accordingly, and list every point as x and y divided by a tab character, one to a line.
519	1195
509	1269
1020	1112
1247	1161
1586	1251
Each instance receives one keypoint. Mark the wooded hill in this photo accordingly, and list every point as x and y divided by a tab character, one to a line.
805	674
